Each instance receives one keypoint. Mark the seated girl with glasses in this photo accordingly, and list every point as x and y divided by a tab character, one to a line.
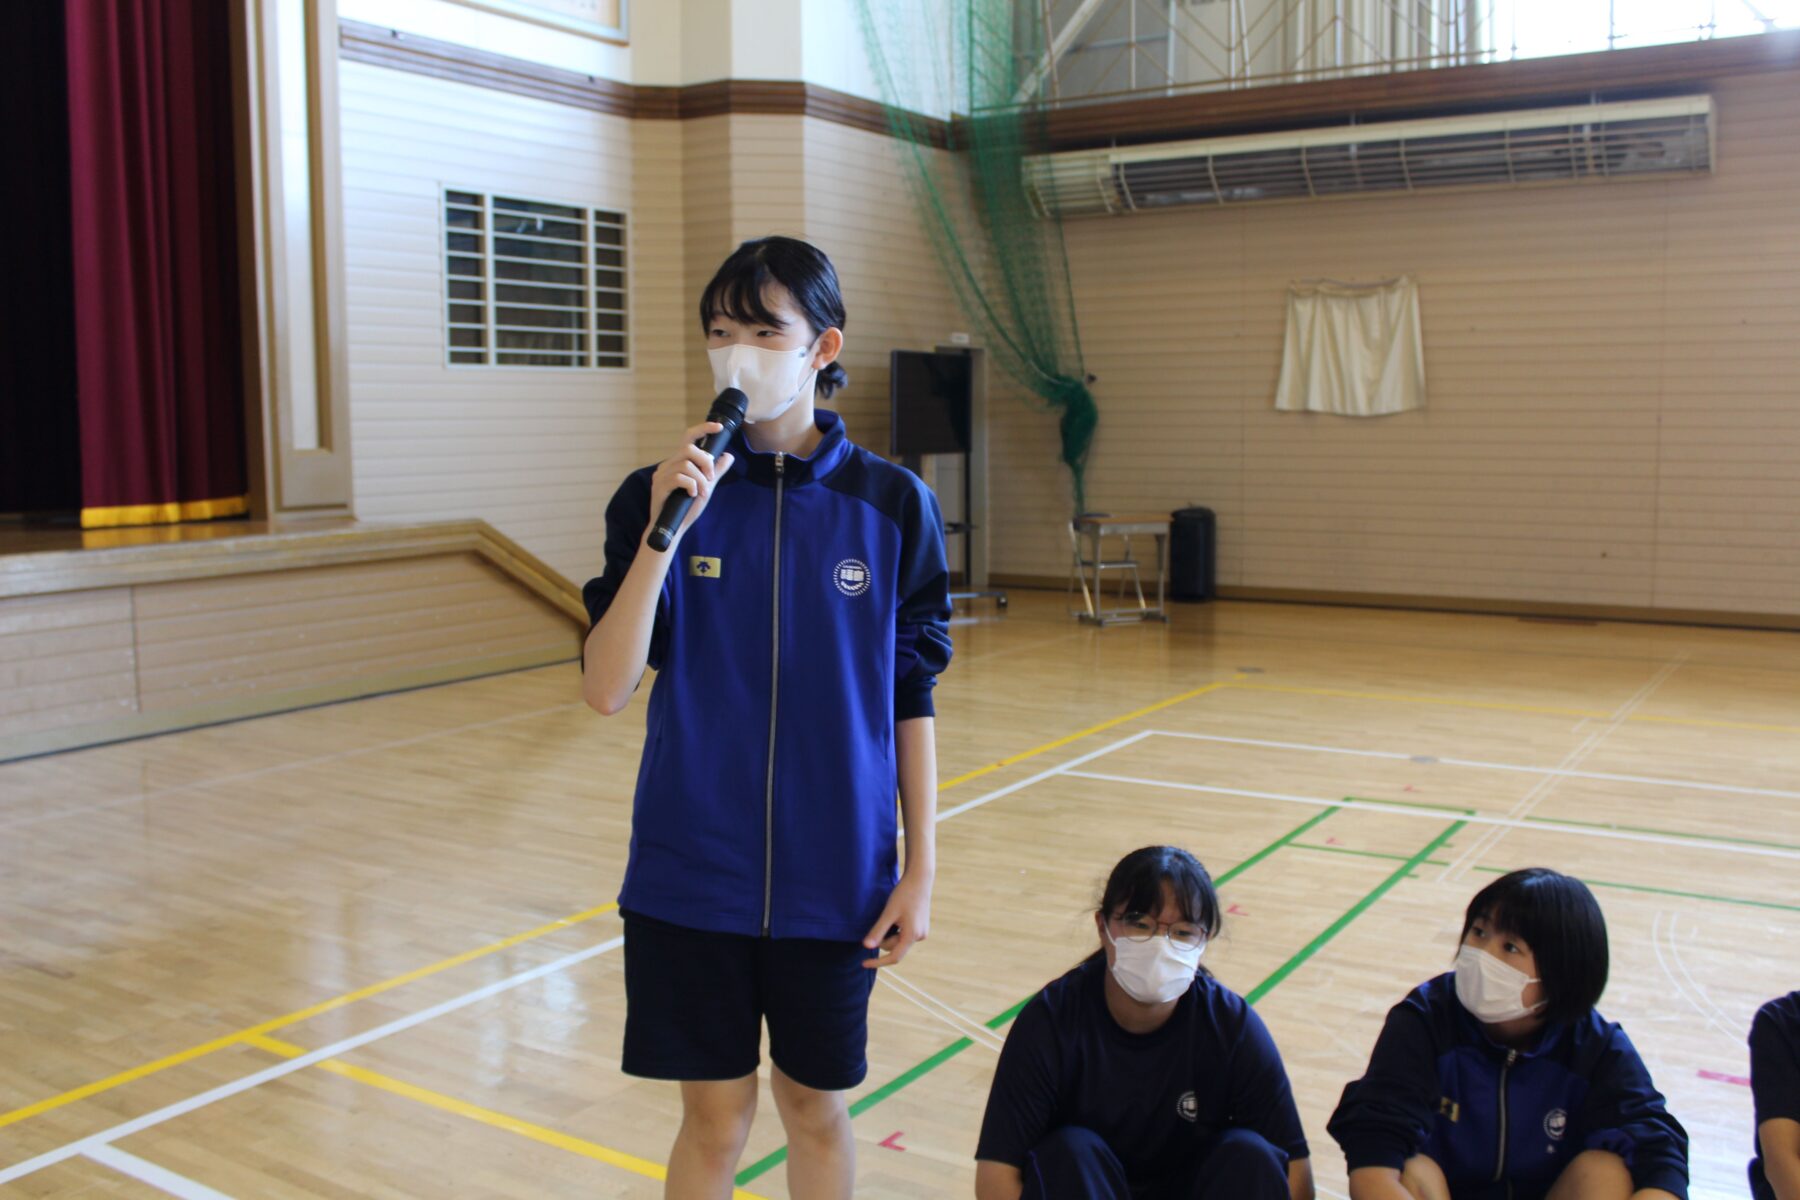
1138	1076
1499	1081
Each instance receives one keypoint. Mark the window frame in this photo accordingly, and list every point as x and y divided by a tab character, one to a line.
491	328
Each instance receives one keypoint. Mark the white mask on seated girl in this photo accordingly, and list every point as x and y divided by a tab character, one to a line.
1490	989
1155	971
772	379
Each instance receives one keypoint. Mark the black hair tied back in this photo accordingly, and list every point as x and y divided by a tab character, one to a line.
832	378
802	270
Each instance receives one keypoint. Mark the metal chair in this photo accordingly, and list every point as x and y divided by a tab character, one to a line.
1080	566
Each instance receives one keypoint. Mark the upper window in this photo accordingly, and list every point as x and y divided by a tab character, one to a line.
529	283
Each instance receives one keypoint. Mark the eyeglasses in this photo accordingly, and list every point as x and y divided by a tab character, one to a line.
1141	927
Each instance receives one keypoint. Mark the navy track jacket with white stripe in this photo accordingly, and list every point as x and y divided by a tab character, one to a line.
807	612
1504	1123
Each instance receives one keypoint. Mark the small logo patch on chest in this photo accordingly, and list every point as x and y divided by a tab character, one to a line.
705	568
1556	1123
1188	1107
1449	1109
851	576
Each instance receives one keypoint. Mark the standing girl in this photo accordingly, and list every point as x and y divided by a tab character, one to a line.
797	626
1499	1081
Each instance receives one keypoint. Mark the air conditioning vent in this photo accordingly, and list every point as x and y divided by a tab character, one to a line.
1634	138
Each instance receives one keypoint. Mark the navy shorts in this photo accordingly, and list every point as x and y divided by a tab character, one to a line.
695	1003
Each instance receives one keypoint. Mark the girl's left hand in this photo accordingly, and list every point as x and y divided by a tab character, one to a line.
905	920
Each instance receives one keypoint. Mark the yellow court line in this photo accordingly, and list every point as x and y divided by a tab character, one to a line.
486	1116
1705	723
1133	715
193	1052
293	1018
1459	702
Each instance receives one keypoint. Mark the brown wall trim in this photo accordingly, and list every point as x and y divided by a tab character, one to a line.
384	47
1572	76
1526	609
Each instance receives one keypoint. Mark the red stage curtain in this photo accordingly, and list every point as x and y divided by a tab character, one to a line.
157	326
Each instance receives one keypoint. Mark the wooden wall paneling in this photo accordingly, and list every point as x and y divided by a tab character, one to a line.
535	452
1608	422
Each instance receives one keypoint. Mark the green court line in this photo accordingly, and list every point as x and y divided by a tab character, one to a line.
912	1074
1659	891
1430	862
1361	906
1275	845
1443	808
1553	821
1674	833
1601	883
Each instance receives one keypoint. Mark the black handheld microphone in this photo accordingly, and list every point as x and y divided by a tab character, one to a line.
728	410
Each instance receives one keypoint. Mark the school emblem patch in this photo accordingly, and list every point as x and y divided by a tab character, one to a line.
705	568
1449	1109
1556	1123
851	576
1188	1107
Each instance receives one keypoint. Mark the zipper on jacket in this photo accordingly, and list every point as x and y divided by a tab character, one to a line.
1512	1056
774	696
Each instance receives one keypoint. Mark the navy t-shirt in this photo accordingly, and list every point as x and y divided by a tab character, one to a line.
1774	1075
1157	1099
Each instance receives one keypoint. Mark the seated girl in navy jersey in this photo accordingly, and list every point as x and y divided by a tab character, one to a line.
1499	1081
1137	1076
1775	1084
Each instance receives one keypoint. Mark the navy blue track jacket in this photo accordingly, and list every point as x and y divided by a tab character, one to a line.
1503	1123
807	612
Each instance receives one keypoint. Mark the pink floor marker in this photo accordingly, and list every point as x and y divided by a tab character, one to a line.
1333	842
893	1142
1235	911
1721	1077
1411	788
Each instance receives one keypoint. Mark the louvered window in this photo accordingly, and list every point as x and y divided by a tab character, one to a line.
530	283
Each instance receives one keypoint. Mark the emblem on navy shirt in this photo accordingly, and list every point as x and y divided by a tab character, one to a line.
1556	1123
1449	1108
851	576
705	568
1188	1107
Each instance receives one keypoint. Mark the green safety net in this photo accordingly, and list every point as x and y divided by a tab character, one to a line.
1004	258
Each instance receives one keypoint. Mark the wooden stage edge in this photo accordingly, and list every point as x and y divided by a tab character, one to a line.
124	634
1528	609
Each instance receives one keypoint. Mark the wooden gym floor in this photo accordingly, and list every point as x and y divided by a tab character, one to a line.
369	950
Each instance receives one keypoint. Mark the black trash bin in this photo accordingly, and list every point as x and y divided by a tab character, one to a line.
1193	542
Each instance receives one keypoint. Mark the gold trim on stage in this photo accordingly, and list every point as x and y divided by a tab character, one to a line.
164	514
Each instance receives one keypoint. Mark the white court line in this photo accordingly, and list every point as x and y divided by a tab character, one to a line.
176	789
103	1139
160	1178
968	1027
1487	840
1714	1015
1062	769
1546	826
1431	760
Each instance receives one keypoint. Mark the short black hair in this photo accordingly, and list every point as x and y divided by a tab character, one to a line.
1560	920
737	288
1136	886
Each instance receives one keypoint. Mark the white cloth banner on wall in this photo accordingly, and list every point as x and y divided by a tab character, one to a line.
1352	349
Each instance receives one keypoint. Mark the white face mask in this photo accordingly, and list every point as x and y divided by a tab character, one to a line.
1156	971
772	379
1490	989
